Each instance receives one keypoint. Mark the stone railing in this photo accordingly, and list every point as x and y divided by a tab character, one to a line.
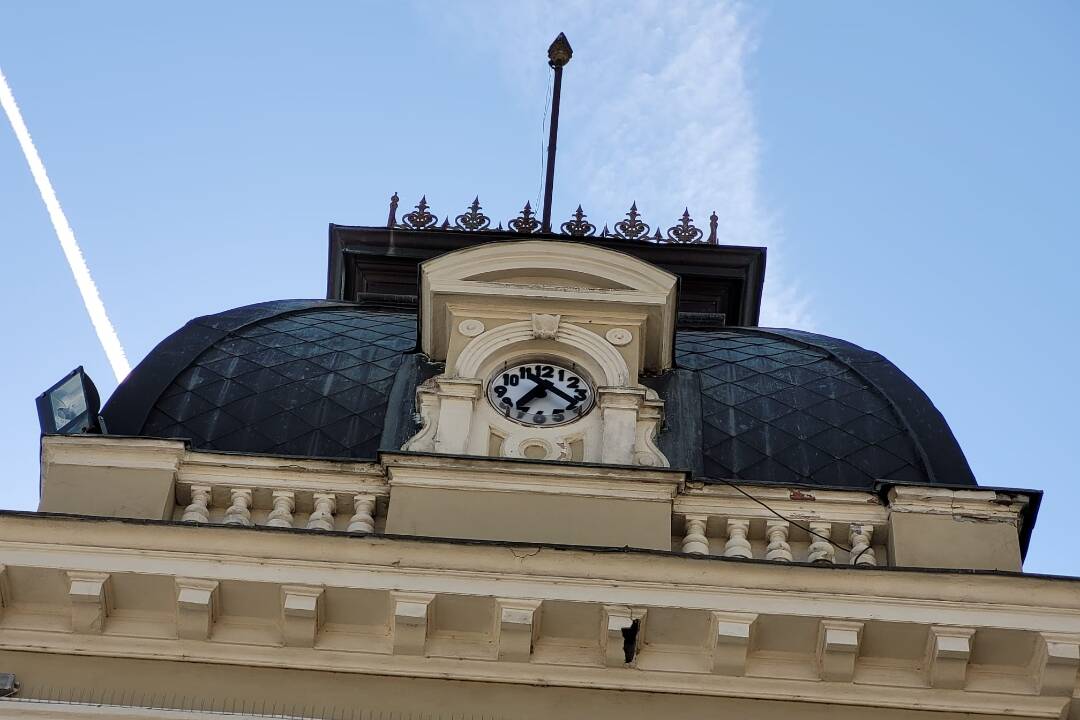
510	500
782	524
280	493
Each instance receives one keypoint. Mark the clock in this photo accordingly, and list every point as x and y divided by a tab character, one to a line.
540	393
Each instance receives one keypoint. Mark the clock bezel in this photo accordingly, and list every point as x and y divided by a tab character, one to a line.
573	367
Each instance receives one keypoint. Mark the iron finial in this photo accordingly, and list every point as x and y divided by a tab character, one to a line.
578	225
684	231
632	228
525	223
420	218
391	221
473	219
560	52
713	220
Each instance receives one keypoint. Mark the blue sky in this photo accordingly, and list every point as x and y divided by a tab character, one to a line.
912	167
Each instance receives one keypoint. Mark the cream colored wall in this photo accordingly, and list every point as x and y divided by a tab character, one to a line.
943	541
527	501
526	517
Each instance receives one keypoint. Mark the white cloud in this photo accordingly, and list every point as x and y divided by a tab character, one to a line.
656	109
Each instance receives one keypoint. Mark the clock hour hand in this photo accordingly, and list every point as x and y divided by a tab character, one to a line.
548	385
537	391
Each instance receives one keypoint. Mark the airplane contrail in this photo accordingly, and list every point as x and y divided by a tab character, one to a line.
114	351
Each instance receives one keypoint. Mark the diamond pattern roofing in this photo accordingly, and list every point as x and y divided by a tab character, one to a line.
315	378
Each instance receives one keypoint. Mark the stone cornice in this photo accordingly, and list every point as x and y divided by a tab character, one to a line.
514	585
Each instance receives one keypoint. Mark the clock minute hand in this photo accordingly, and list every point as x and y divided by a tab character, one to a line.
548	385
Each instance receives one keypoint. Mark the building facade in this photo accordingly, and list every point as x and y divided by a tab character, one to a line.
512	474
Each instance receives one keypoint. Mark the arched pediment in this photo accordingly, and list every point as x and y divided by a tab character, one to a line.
504	282
549	263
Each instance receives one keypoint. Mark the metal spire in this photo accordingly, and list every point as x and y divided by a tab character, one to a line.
559	53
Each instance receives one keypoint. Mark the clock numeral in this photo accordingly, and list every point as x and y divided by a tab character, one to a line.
511	380
573	382
557	416
499	390
539	418
562	375
581	393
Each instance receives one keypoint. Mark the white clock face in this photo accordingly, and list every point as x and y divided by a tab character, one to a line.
540	394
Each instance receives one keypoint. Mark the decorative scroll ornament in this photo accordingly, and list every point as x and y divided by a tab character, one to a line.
420	218
525	223
632	228
473	219
545	327
578	226
684	231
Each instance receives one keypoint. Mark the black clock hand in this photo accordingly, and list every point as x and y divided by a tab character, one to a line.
548	385
536	392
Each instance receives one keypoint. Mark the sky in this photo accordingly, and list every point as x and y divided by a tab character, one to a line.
911	166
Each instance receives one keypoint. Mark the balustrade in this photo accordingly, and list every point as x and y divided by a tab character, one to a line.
777	532
239	512
816	547
738	546
363	519
695	541
821	549
859	537
284	504
323	516
199	509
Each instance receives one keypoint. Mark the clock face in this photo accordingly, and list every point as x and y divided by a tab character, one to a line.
540	394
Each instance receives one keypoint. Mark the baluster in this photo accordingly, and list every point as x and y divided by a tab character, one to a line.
695	541
737	545
859	538
284	504
323	517
363	519
779	549
199	509
821	550
239	512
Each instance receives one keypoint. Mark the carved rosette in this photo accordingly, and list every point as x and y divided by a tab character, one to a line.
471	327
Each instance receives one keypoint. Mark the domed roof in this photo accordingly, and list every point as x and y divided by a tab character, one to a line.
333	379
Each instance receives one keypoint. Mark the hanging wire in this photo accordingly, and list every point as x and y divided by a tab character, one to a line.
804	528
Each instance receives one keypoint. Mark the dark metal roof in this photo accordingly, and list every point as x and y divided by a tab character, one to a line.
311	378
792	407
333	379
